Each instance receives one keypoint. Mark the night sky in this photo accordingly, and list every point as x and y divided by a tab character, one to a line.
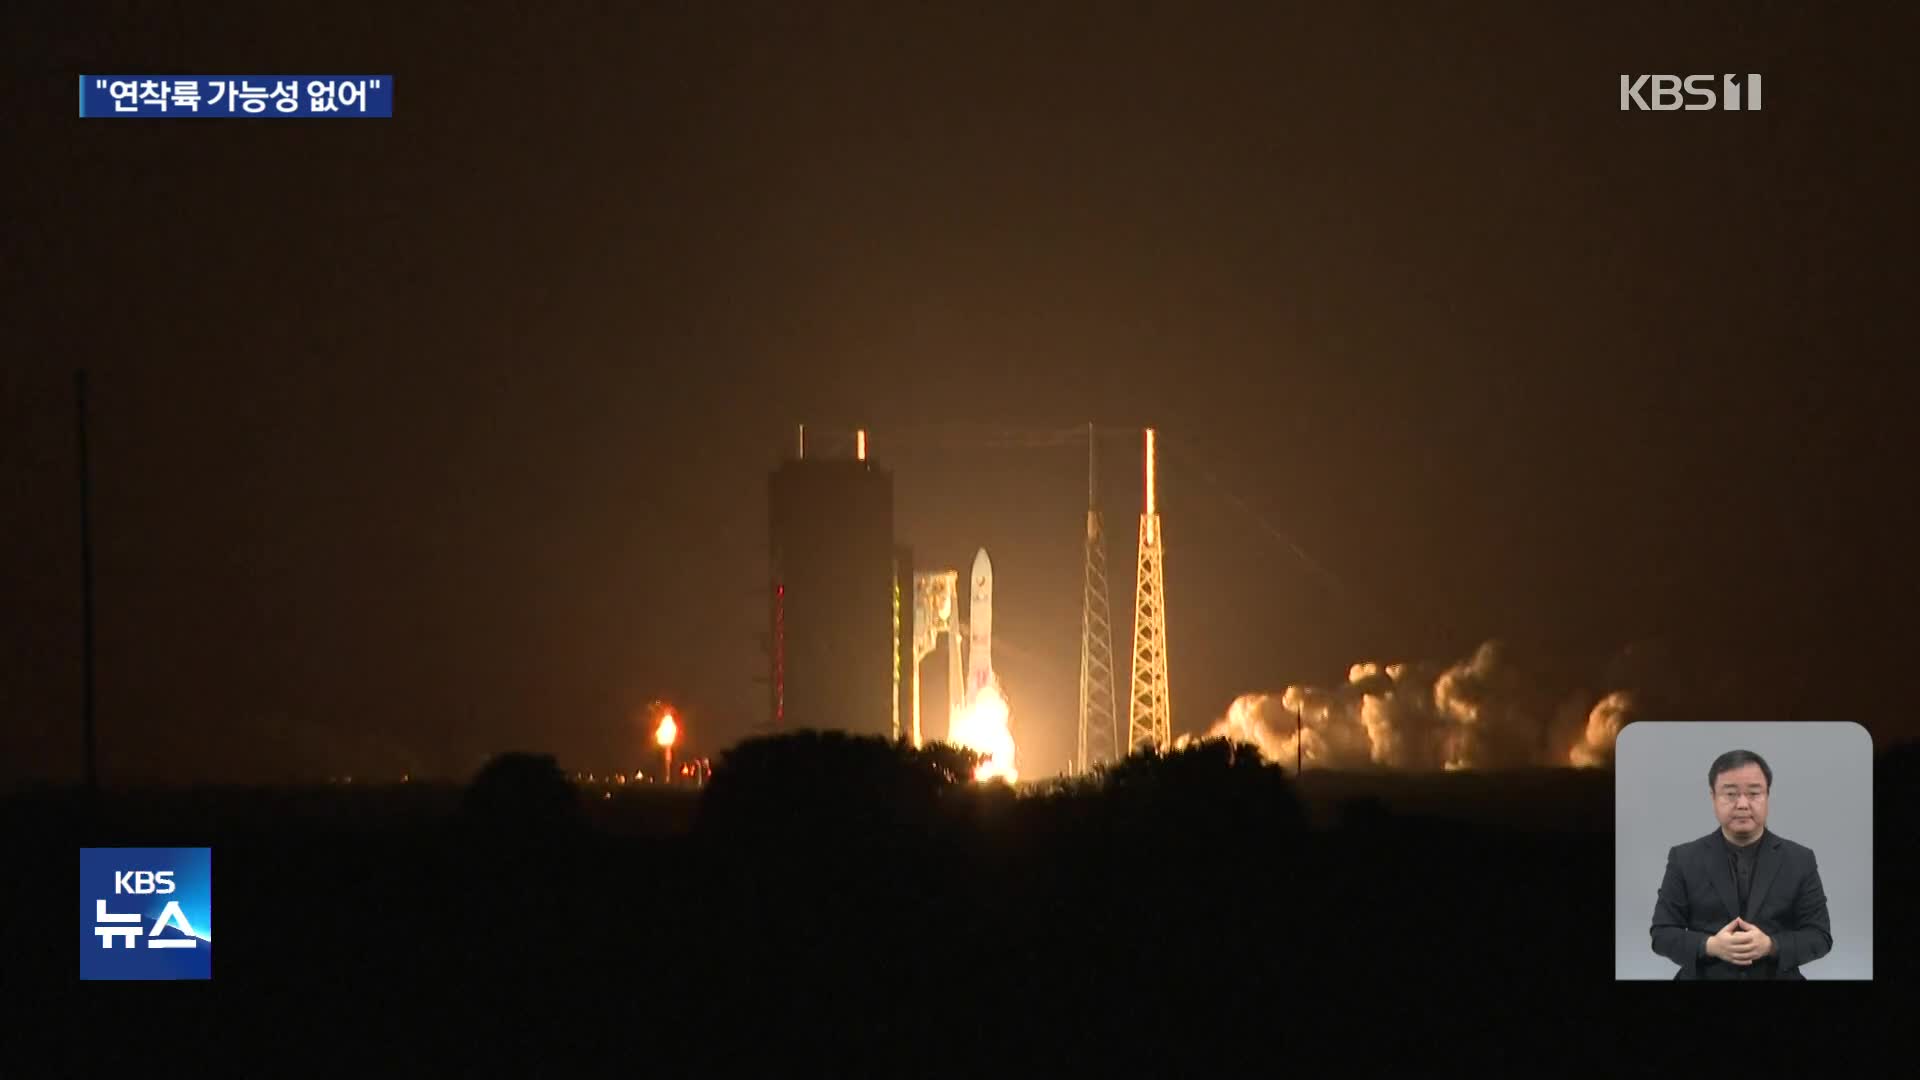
421	439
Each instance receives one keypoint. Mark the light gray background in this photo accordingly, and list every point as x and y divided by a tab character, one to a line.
1822	798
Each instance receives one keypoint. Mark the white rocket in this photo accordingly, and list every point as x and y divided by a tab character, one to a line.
980	626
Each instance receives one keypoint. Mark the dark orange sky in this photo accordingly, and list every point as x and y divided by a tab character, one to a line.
425	438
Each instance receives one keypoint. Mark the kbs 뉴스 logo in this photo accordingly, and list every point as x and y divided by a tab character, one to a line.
146	913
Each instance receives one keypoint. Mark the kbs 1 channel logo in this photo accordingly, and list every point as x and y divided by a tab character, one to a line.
1691	93
146	913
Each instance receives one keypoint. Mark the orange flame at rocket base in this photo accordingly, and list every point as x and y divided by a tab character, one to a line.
667	731
981	726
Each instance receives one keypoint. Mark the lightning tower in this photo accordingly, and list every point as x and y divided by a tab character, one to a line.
1099	722
1150	711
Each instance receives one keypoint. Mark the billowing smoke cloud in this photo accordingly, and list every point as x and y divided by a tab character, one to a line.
1595	747
1481	713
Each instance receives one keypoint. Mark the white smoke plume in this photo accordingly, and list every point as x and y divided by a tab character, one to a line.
1481	713
1595	747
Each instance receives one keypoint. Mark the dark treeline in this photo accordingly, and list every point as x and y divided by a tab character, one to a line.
848	905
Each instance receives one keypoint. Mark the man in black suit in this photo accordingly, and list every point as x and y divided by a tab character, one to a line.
1741	902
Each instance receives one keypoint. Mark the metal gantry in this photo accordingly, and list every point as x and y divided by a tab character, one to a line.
1099	740
1150	706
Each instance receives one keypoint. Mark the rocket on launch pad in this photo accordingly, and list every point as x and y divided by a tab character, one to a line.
979	722
980	626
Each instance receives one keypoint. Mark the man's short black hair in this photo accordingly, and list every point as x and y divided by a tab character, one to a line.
1733	759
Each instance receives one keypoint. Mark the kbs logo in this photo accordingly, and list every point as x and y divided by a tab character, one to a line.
1694	93
146	913
143	882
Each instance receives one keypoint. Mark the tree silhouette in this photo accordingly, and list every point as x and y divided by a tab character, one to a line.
1212	785
809	780
520	795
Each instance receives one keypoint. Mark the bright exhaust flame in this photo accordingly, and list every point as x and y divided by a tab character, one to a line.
667	732
981	726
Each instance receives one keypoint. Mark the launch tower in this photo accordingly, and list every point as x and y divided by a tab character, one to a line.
1099	720
1150	710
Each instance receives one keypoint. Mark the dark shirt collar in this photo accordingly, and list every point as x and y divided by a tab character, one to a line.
1735	849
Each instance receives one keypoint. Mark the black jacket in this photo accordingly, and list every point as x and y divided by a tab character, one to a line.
1697	898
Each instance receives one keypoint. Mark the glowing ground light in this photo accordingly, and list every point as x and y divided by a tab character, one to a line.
668	730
